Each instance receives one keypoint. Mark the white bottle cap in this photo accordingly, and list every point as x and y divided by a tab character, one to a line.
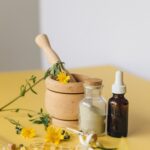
118	87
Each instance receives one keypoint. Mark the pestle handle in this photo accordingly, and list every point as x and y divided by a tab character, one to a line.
43	42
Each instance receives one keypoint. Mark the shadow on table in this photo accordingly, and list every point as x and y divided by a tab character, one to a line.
139	125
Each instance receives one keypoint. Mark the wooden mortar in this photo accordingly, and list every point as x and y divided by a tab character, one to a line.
61	100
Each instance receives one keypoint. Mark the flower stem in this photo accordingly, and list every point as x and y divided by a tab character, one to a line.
19	96
20	109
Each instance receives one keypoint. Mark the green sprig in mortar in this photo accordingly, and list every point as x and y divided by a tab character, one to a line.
32	82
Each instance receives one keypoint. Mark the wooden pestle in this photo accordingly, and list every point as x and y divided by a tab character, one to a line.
43	42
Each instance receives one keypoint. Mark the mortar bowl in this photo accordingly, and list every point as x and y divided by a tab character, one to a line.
62	100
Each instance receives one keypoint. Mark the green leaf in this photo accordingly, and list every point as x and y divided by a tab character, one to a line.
18	129
32	120
18	126
33	78
47	73
33	91
37	122
52	71
56	69
30	116
12	121
31	87
41	118
17	110
22	90
45	120
41	110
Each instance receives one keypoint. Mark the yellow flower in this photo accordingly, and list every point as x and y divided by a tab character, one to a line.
54	135
28	132
62	77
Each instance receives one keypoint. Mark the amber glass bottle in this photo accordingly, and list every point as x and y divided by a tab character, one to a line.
117	120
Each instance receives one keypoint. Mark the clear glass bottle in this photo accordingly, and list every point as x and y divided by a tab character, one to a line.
92	109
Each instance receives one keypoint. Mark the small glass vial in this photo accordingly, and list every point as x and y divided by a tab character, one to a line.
92	109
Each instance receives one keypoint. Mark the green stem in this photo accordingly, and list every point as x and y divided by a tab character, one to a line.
12	101
16	98
23	109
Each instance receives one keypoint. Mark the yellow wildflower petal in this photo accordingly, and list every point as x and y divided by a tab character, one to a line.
53	135
62	77
62	137
67	79
28	132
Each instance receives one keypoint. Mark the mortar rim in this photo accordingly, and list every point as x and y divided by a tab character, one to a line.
69	88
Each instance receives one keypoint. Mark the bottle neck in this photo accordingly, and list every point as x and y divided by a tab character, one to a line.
118	95
92	92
